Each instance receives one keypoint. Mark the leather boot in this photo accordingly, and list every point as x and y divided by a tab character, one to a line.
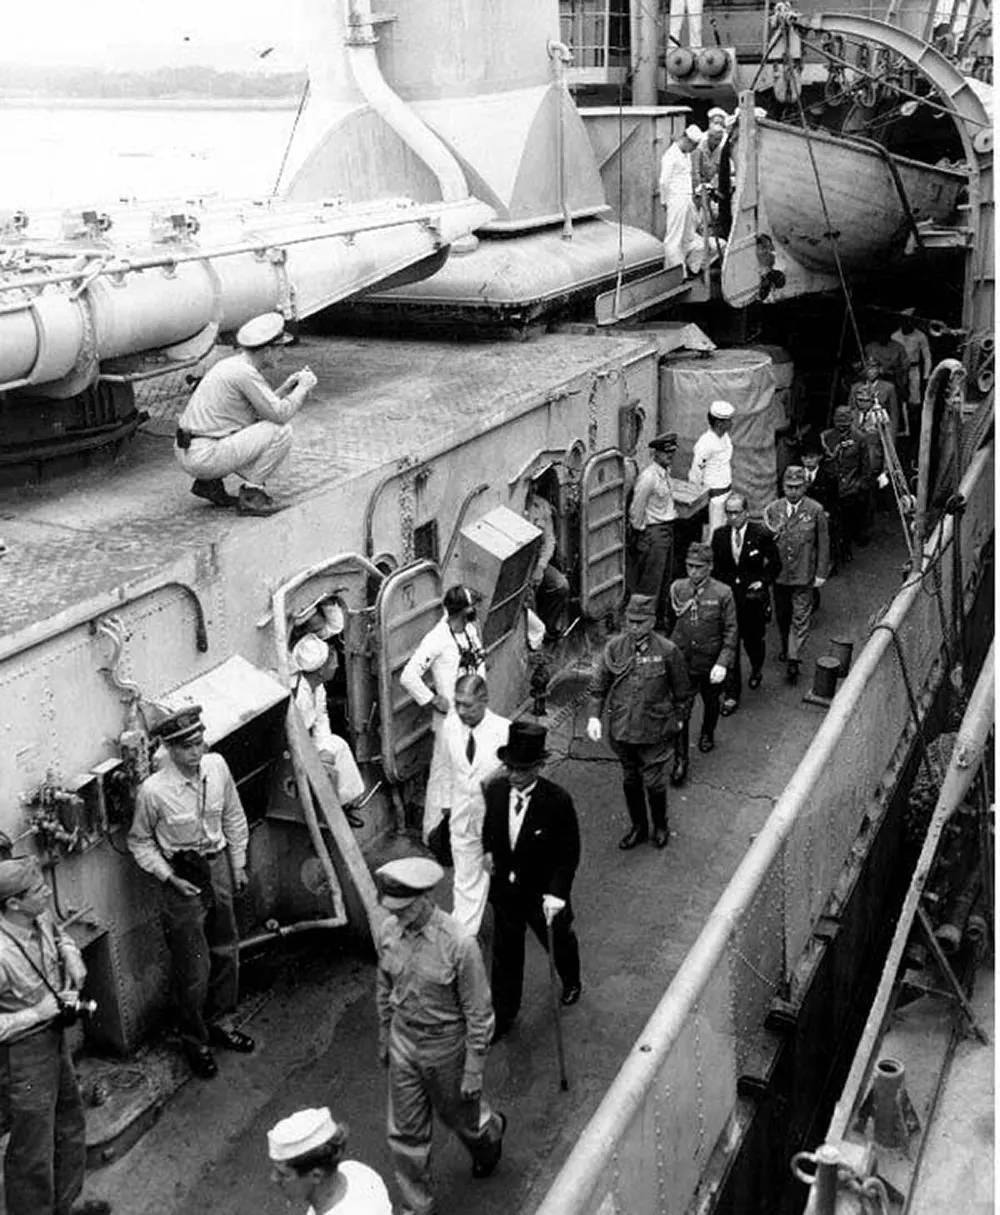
635	801
657	799
679	775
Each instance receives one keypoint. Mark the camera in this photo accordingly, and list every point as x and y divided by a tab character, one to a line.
72	1007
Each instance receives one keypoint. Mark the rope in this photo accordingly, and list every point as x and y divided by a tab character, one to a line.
911	698
291	136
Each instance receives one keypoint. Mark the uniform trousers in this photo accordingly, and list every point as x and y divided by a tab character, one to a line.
203	942
46	1152
513	914
644	763
855	520
252	453
751	619
710	693
550	598
425	1077
653	560
793	609
682	246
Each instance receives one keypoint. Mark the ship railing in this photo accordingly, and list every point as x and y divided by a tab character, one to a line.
675	1100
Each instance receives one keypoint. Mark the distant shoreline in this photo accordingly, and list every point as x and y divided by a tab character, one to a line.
148	103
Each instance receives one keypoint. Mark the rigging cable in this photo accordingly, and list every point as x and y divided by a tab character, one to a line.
291	136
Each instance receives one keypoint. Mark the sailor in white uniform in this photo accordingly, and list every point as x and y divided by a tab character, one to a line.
682	246
451	648
469	742
712	463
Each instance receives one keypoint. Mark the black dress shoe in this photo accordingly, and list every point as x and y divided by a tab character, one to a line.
729	706
488	1160
501	1030
214	492
570	994
679	774
661	837
755	679
230	1039
202	1062
706	743
633	837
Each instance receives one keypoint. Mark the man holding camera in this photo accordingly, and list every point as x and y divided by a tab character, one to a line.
41	973
237	423
190	832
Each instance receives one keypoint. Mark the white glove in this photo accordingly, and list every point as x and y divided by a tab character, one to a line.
717	674
594	729
818	582
551	906
883	480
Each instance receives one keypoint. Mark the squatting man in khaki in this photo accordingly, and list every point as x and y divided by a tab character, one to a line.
237	423
435	1021
190	832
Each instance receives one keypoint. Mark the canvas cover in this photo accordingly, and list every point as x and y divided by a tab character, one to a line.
744	378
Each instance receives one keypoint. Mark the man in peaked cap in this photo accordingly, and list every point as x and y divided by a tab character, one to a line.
531	846
236	423
682	246
40	970
190	832
803	541
850	457
306	1151
712	463
651	515
641	680
435	1023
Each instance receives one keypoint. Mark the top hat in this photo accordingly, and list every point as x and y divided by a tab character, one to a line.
525	745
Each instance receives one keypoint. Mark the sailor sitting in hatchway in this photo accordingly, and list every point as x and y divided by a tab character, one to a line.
236	423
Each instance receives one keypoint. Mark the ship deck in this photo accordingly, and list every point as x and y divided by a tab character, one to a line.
638	914
70	540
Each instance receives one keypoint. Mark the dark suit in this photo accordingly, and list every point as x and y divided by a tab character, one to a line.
759	562
543	862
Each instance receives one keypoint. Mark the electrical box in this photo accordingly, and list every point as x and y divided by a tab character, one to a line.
496	556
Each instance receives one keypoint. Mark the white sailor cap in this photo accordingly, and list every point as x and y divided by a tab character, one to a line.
721	410
300	1133
402	881
717	112
261	331
310	652
694	132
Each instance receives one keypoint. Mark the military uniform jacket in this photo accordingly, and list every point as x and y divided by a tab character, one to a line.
642	691
850	458
705	630
803	541
759	560
548	845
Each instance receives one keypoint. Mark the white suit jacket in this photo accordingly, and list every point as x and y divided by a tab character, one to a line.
463	781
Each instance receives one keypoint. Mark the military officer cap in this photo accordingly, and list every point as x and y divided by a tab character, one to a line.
263	330
842	414
721	410
665	442
303	1132
310	653
402	881
795	474
18	876
180	726
699	554
640	607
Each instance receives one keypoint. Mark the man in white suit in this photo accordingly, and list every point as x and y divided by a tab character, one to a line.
469	742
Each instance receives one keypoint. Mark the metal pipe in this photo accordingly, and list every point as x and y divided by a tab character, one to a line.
279	931
560	54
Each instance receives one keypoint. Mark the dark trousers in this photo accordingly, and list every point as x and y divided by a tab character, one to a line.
652	564
204	951
644	764
855	521
550	598
710	694
512	915
751	619
46	1152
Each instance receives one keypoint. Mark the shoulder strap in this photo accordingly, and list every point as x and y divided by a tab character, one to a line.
29	959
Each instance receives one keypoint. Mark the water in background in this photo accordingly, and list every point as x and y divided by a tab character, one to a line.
72	155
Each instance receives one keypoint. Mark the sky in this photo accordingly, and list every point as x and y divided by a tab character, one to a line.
134	34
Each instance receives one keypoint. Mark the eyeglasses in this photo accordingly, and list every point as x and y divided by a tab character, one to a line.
735	510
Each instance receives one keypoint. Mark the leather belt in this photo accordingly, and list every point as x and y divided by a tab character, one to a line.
717	493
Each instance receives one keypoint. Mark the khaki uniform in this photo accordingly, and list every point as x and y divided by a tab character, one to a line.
706	634
803	541
435	1024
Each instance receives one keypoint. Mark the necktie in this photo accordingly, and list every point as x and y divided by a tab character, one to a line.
737	544
519	803
470	748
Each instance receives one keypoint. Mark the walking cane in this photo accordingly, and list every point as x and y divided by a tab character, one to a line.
560	1053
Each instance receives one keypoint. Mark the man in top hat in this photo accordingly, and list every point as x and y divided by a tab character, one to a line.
190	832
41	972
705	632
800	530
451	648
435	1022
849	453
306	1150
651	517
712	463
745	558
235	422
641	679
682	246
531	846
918	367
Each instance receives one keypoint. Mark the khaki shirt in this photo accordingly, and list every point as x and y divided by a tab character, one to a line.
234	395
21	987
432	980
652	498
